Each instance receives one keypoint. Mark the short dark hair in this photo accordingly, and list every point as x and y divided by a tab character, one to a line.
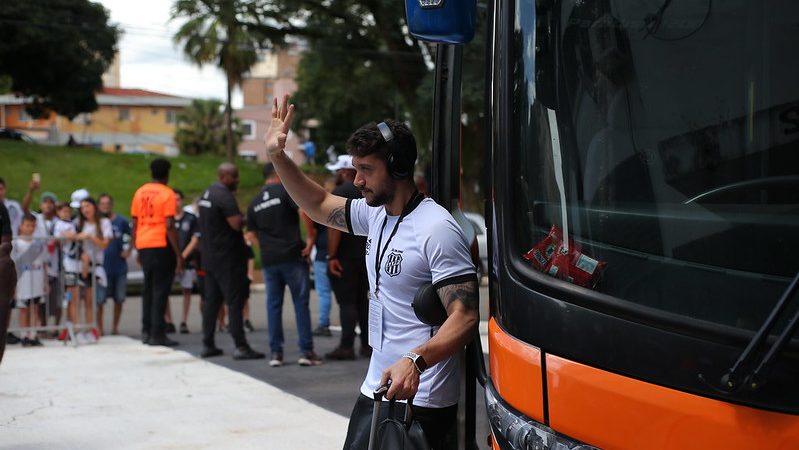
2	181
268	170
159	169
103	195
179	193
61	205
28	217
368	140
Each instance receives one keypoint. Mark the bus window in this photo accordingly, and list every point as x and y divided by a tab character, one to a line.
667	147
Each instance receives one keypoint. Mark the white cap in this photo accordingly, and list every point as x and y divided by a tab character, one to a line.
343	162
78	196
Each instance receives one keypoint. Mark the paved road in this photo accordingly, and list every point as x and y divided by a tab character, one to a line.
333	386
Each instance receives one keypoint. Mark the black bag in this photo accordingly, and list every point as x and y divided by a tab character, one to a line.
392	433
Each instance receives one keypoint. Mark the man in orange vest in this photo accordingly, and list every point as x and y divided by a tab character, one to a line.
153	223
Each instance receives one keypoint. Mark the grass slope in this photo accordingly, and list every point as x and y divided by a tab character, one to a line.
64	169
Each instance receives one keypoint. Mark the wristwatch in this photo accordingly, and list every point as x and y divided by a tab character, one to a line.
417	360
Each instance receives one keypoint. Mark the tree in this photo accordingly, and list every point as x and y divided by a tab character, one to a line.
202	129
221	32
55	52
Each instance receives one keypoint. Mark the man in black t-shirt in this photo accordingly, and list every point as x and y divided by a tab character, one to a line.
224	262
8	276
346	265
188	228
273	224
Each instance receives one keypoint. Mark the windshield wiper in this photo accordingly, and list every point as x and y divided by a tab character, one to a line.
745	372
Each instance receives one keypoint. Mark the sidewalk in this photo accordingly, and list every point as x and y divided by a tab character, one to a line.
122	394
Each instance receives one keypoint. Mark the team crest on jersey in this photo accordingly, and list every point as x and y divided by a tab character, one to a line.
266	196
394	264
368	245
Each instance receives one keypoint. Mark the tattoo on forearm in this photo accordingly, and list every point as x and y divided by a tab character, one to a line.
465	293
337	217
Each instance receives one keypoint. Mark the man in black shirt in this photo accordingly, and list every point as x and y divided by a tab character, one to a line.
188	229
275	218
8	276
224	262
346	264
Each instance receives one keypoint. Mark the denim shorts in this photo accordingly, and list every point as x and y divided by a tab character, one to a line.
116	288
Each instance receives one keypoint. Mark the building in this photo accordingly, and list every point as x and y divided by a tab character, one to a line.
273	76
127	120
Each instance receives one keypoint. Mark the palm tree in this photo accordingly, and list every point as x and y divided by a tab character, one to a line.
220	32
201	129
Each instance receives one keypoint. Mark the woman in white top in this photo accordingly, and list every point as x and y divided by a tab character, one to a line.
94	232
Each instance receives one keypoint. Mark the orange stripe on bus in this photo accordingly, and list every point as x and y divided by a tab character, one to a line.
616	412
515	369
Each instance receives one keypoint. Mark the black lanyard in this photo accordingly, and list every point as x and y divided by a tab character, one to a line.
412	204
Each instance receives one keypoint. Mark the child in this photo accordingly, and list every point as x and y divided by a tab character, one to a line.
29	255
66	232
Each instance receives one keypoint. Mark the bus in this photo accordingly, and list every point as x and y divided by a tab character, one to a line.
643	218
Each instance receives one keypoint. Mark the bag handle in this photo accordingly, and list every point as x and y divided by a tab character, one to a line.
380	392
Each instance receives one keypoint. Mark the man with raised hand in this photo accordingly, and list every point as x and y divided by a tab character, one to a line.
411	241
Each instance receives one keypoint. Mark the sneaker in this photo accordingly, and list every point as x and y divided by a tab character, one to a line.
12	339
183	328
248	326
95	334
89	338
309	359
170	328
341	354
64	335
145	338
366	351
322	331
210	352
27	342
80	338
276	360
36	342
242	353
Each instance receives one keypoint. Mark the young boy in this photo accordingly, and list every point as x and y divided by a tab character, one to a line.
65	231
30	257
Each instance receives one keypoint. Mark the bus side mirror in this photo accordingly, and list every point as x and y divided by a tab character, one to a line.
441	21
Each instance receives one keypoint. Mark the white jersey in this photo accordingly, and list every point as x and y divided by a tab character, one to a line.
70	250
428	247
30	257
106	230
44	229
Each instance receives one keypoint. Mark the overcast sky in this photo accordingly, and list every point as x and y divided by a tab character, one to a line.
149	59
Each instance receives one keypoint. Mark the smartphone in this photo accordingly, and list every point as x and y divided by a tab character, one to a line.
37	177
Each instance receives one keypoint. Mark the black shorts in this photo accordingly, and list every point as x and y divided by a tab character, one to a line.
28	302
70	279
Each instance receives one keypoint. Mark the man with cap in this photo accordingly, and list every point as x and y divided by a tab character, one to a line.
346	266
45	227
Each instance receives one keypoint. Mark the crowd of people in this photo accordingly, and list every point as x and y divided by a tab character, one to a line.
72	257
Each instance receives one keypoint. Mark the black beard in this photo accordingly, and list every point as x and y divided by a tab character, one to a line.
380	200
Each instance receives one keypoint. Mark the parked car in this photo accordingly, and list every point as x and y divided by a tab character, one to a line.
480	228
12	134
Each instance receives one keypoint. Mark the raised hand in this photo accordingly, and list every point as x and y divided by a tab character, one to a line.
282	115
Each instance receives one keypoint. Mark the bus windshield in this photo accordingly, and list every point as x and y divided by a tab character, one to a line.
655	145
